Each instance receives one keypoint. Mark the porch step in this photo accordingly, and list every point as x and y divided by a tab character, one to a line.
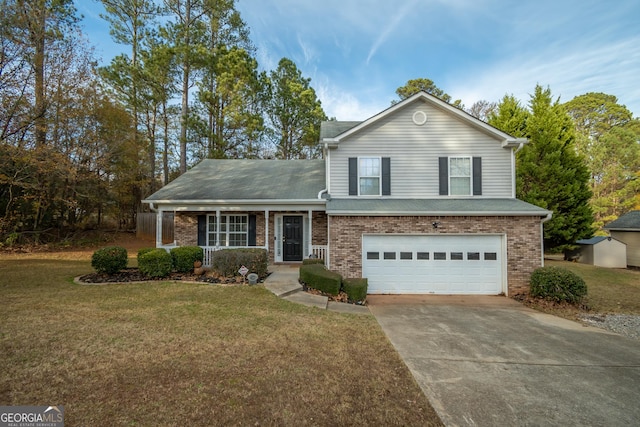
284	288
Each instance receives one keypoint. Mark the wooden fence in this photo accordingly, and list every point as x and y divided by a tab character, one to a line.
146	226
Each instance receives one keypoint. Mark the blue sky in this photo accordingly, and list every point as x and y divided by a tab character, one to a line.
358	52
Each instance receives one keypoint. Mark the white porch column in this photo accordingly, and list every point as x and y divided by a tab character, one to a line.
310	218
266	230
159	215
217	228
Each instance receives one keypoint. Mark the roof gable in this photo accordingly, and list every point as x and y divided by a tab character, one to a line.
629	222
332	133
220	180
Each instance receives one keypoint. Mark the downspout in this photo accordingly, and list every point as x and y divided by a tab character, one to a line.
545	219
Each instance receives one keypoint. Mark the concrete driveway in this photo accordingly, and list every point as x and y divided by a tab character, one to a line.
489	361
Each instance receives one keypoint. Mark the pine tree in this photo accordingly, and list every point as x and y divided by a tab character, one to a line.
549	172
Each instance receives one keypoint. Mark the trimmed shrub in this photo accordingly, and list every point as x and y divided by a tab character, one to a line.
557	284
109	260
155	263
316	276
184	257
142	252
310	261
227	262
356	289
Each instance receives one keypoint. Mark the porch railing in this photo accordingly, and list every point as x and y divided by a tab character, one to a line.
319	251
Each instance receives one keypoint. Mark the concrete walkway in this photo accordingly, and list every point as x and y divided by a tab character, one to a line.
283	282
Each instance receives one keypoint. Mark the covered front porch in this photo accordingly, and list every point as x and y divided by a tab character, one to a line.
289	234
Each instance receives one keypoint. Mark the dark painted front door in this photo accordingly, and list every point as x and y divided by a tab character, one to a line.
292	241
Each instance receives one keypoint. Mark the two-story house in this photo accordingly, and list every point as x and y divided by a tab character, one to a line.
419	198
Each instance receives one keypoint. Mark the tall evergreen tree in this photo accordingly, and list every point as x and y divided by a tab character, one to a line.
607	137
294	112
549	172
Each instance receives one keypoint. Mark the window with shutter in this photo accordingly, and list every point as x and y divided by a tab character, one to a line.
370	176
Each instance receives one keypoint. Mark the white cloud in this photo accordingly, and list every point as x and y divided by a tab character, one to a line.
610	68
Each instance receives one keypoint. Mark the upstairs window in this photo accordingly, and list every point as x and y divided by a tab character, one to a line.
369	172
460	176
369	176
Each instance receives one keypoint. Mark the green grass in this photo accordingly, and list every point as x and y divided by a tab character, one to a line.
191	354
609	290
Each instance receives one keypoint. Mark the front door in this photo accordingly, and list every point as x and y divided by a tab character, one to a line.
292	238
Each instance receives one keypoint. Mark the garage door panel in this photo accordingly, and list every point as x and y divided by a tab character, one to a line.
443	264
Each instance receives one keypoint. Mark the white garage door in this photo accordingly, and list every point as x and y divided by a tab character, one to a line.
442	264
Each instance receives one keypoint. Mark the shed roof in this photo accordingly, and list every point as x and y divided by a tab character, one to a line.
592	241
218	180
627	222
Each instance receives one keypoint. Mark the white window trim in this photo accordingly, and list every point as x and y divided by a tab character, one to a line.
449	175
222	238
371	176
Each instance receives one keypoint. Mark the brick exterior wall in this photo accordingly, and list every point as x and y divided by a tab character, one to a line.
524	250
186	228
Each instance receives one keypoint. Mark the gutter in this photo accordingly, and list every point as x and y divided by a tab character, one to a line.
437	213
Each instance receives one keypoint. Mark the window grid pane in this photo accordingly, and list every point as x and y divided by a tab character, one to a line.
369	186
369	172
460	186
460	176
211	235
234	230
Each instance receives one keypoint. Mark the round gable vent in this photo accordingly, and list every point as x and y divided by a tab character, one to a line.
419	118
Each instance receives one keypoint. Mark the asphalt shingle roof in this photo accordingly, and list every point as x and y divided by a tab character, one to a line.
246	180
443	206
628	221
332	128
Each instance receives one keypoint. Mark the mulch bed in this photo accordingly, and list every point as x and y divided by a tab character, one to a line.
341	297
134	275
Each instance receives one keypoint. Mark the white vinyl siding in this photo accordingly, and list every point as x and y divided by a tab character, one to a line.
414	152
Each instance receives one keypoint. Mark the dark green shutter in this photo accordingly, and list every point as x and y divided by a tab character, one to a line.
252	230
477	176
202	230
443	170
386	176
353	176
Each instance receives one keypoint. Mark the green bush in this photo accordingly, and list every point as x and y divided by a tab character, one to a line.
356	289
185	256
142	252
557	284
317	277
227	262
155	263
310	261
109	260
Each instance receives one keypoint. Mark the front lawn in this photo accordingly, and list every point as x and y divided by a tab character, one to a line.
609	291
191	354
